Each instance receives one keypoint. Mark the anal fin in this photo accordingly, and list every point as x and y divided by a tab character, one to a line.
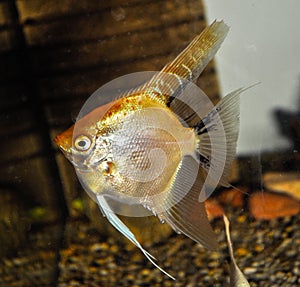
188	216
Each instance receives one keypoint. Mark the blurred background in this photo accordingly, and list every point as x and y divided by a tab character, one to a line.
55	54
260	48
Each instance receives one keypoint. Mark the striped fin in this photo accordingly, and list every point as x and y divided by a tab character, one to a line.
189	64
193	59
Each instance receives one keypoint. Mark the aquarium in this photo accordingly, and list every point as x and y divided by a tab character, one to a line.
184	114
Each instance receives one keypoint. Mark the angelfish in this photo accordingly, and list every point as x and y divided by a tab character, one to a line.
150	147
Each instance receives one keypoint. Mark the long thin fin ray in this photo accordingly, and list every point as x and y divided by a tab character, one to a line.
121	227
237	278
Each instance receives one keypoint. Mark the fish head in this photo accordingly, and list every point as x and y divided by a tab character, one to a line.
83	144
76	146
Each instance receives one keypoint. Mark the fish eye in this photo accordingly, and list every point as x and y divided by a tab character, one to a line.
82	143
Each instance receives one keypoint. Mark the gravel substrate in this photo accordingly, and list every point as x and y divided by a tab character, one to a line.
268	252
36	263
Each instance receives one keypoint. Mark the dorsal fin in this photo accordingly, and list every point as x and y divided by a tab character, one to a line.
193	59
189	63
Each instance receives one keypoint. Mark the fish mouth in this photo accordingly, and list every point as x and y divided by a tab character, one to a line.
66	152
64	140
62	143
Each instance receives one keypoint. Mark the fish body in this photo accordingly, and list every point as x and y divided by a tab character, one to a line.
153	149
133	149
